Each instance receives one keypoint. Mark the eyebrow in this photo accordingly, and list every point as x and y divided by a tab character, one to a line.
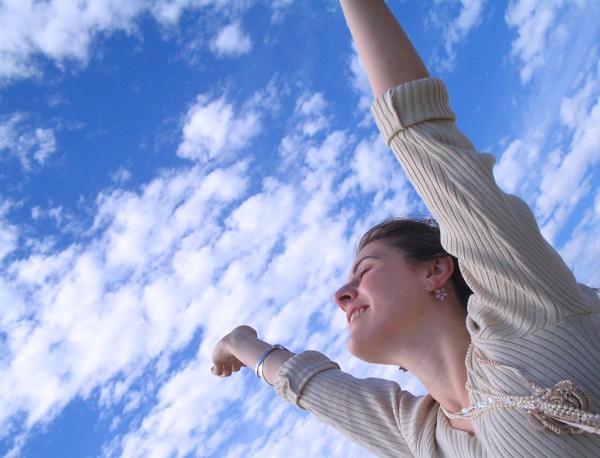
355	268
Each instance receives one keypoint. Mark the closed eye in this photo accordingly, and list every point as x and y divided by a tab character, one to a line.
363	272
357	266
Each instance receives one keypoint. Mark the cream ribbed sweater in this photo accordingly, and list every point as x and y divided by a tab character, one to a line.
527	310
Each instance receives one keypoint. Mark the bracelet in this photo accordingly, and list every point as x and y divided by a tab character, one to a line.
261	361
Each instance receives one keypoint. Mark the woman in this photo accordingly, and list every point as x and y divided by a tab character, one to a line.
512	375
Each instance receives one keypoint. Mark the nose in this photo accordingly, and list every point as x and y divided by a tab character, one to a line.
345	295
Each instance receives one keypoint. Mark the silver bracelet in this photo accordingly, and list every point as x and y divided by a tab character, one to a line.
261	361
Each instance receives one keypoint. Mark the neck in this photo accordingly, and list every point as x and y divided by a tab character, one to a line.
443	373
437	359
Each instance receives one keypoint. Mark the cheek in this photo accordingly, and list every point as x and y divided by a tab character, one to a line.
376	279
384	283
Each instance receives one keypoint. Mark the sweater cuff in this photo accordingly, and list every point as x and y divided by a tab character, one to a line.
411	103
297	371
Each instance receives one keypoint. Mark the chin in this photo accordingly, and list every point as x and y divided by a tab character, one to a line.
353	348
360	351
368	350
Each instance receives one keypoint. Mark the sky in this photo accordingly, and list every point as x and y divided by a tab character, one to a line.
171	169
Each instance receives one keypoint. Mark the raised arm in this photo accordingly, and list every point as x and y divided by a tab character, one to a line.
389	57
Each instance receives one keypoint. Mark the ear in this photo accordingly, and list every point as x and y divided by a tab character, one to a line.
438	272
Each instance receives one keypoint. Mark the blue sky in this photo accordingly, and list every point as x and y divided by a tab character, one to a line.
172	169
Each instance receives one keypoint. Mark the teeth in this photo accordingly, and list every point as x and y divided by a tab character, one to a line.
356	314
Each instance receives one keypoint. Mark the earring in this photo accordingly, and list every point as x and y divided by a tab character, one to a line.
440	294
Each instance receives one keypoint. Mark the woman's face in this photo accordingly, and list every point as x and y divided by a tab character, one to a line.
384	301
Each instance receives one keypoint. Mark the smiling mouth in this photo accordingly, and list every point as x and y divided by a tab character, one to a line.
357	313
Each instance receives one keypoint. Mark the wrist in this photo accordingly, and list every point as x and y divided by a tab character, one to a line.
239	338
259	369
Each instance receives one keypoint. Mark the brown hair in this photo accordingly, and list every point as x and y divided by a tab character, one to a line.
419	240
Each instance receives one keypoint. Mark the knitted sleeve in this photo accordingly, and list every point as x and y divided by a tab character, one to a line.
374	413
520	282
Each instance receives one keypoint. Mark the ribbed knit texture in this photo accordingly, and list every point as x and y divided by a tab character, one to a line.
527	310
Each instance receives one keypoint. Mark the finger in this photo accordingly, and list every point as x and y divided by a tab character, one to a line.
226	372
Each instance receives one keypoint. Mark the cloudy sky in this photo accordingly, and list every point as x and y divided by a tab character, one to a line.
171	169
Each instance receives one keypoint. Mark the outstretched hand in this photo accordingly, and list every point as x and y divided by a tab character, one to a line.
242	347
225	355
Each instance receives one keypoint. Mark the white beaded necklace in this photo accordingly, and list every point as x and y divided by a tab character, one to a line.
564	409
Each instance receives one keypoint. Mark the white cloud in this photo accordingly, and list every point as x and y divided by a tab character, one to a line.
65	31
552	165
456	27
199	249
121	175
574	109
550	162
8	239
212	129
107	307
274	264
279	7
9	234
61	31
545	31
310	119
534	21
312	108
231	42
174	427
569	179
168	12
518	162
313	105
456	33
27	143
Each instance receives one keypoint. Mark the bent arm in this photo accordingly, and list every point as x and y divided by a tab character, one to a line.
389	57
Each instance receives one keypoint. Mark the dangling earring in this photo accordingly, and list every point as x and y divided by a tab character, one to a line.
440	294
